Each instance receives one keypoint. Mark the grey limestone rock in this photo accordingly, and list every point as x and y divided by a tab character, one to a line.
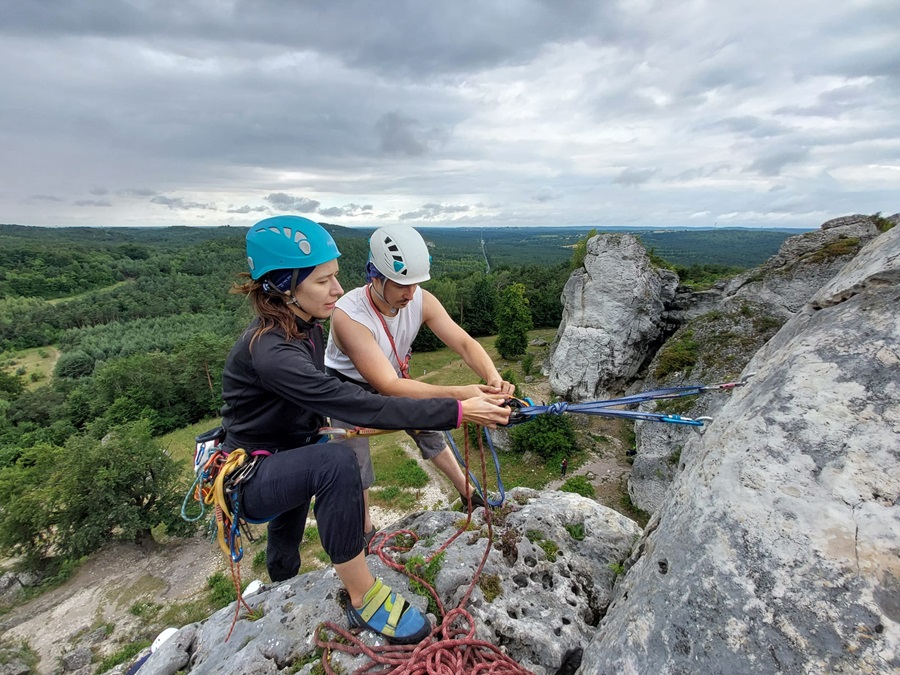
777	549
549	582
613	312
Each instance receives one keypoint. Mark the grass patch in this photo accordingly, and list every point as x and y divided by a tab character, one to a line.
392	497
395	468
678	355
836	249
10	652
123	655
490	586
427	572
580	485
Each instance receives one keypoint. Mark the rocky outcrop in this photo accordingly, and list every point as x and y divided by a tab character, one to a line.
546	584
777	549
613	318
715	345
803	264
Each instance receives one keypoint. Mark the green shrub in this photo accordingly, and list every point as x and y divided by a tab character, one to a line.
547	436
221	590
882	224
527	363
580	486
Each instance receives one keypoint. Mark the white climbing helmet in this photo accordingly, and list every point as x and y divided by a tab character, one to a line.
400	254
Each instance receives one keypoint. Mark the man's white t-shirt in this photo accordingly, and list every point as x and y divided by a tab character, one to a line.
403	327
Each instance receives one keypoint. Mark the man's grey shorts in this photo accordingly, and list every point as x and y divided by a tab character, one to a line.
430	443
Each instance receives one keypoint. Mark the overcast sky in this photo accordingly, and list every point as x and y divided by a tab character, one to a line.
467	112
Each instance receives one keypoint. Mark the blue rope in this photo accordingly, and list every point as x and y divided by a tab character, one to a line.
607	407
475	483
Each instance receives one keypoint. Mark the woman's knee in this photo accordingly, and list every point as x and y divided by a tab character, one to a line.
340	465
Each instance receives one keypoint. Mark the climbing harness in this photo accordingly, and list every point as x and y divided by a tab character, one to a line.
523	411
452	648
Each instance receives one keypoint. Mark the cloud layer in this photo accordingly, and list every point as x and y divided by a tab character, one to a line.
488	113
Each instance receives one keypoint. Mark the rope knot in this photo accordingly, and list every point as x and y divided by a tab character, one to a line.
557	408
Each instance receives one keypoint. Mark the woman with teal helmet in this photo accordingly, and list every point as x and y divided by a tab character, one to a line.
277	396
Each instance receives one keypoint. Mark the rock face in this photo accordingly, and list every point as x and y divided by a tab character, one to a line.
546	584
777	549
613	317
724	328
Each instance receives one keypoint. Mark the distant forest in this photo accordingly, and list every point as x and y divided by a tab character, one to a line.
118	301
126	330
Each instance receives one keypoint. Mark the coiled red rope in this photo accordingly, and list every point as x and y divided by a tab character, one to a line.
452	648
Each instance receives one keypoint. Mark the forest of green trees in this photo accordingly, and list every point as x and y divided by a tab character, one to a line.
143	320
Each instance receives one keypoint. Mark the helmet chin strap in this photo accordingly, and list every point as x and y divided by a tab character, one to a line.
393	310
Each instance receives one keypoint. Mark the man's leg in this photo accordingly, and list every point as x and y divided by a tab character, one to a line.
434	448
446	462
360	446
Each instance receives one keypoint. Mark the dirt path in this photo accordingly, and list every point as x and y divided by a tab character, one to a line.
102	592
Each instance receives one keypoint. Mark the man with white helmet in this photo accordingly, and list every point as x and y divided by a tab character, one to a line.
372	330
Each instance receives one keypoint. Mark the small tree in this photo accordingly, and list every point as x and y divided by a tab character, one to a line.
514	321
70	501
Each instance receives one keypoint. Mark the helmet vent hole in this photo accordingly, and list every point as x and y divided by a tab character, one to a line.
275	230
298	235
305	247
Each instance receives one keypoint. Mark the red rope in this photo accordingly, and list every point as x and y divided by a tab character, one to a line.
452	648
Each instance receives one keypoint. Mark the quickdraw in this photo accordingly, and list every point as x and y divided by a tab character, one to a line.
523	411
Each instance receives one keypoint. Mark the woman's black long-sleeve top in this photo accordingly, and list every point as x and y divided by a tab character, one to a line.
277	395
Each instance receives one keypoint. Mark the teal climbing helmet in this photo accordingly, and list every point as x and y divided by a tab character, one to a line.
288	242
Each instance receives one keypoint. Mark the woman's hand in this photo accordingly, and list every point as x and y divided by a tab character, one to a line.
501	386
485	410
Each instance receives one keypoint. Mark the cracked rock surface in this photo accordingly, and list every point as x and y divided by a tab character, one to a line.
544	589
777	549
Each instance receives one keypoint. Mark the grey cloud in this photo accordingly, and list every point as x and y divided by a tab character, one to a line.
398	37
635	176
99	191
770	162
348	210
287	202
248	209
46	198
834	103
92	202
180	204
137	192
546	194
403	135
746	125
432	211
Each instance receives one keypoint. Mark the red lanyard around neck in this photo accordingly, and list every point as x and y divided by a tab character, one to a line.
404	363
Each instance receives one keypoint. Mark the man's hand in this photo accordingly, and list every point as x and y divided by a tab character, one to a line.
486	411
